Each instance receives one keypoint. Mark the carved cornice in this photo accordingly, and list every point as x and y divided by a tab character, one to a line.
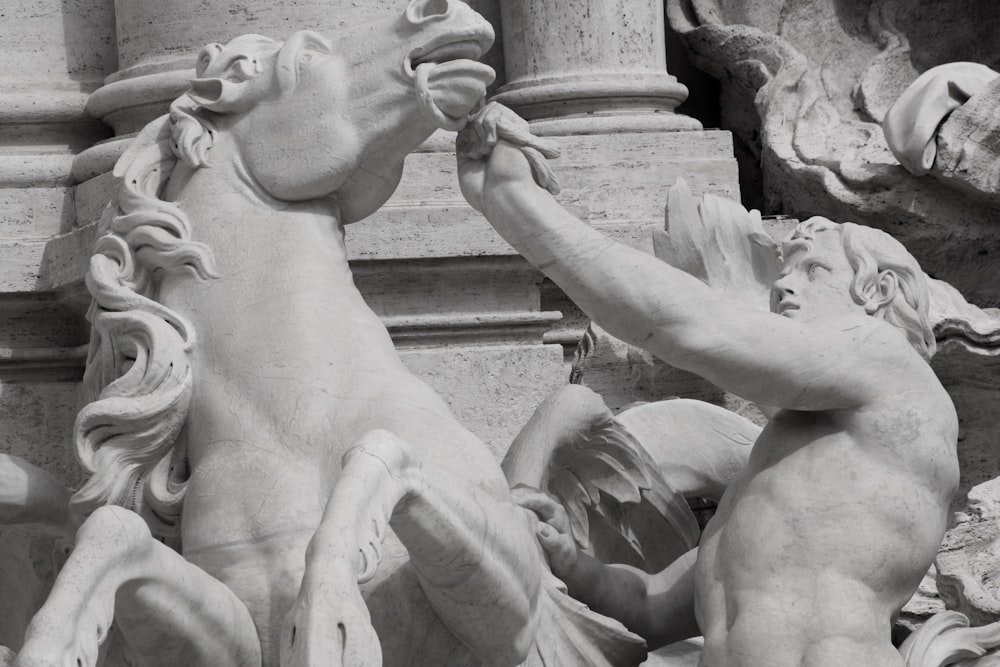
35	171
423	331
525	327
42	363
41	105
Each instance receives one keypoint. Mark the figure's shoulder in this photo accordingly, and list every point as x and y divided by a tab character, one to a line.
902	381
858	335
869	349
910	411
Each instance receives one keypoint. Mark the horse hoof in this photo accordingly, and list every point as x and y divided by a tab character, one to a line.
330	625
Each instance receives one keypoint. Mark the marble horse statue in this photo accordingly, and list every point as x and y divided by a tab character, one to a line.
268	483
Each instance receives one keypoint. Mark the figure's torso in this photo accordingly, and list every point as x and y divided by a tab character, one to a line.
826	534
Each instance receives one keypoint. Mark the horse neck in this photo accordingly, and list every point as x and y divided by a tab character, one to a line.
258	242
232	214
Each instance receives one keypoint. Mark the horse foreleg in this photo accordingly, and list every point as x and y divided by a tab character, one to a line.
168	610
475	557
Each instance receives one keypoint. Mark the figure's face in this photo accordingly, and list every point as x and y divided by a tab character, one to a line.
816	282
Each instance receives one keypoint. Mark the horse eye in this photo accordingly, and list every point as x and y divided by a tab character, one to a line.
305	57
242	68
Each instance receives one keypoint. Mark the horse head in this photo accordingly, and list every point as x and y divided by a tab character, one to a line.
336	114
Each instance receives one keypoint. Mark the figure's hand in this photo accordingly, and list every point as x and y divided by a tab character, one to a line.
497	147
553	531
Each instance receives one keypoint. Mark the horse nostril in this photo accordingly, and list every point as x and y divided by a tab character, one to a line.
423	10
435	7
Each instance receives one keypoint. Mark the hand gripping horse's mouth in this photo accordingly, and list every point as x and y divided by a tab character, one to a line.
448	81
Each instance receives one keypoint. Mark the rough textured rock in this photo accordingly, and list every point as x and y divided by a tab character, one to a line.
969	146
970	557
806	85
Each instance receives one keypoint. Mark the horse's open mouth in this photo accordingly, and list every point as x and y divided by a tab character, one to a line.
465	50
448	80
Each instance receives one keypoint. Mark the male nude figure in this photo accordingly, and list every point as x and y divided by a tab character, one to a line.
817	546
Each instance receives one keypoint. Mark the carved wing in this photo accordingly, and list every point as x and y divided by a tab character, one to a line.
720	242
698	448
620	507
625	480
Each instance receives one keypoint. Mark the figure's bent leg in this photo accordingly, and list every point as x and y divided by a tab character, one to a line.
475	556
169	610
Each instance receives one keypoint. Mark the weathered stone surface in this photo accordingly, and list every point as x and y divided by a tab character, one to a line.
969	146
29	561
511	381
792	73
38	420
970	557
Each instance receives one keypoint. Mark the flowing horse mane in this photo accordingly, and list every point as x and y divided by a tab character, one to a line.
138	378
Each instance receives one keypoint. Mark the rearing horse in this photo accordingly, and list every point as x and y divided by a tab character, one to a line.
234	364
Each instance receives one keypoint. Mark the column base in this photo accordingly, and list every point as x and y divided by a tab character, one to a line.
648	121
600	103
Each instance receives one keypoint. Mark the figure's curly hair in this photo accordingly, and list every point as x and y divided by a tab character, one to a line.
871	251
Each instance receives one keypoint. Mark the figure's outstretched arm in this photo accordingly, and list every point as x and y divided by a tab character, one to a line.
764	357
658	607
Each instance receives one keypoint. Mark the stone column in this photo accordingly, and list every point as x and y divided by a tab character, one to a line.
589	66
